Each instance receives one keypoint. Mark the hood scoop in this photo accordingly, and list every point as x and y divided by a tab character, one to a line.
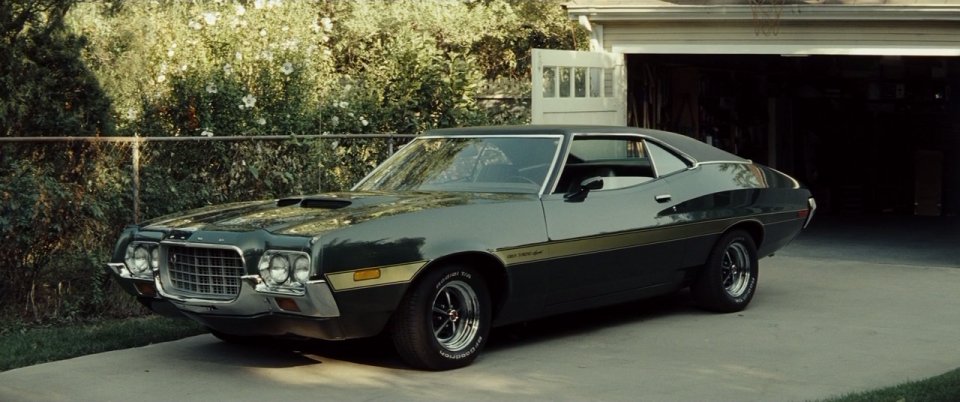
314	202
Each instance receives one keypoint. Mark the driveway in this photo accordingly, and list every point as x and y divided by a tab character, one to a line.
818	326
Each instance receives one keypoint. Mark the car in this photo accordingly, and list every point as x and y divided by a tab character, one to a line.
467	229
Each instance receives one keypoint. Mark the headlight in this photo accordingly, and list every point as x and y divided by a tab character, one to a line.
155	258
285	268
279	269
141	258
301	269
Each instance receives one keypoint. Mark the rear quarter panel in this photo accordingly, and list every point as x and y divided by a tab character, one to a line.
727	194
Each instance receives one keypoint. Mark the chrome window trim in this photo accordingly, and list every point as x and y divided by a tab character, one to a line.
546	179
642	137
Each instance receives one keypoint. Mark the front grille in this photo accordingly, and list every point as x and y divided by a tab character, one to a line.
211	272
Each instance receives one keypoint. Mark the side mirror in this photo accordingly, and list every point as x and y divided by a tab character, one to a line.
588	184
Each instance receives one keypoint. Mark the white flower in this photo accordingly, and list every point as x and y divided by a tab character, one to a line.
211	88
258	4
170	53
239	9
273	3
289	44
195	25
266	55
285	28
207	133
161	78
261	121
239	56
343	104
183	67
327	24
227	68
263	32
364	121
287	68
210	18
335	120
249	101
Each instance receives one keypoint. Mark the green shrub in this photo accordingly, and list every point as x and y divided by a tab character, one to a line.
223	68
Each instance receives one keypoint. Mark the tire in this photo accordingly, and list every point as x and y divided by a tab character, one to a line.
728	281
443	321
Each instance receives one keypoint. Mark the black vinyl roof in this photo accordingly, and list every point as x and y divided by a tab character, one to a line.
694	148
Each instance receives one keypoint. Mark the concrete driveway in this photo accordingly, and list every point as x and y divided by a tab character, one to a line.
817	327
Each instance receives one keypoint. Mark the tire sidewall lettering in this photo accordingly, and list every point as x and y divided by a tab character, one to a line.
451	276
464	354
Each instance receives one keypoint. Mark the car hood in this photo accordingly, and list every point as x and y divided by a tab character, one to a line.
315	214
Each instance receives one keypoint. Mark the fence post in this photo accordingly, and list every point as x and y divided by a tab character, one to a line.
136	179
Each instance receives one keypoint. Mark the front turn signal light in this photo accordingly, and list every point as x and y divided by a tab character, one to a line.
366	274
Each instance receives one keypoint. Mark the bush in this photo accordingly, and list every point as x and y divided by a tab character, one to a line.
223	68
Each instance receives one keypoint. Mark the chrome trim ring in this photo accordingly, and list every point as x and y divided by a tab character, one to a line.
735	269
455	316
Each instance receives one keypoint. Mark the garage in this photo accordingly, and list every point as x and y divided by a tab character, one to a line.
856	99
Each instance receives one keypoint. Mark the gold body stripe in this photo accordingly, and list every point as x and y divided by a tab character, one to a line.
389	275
403	273
614	241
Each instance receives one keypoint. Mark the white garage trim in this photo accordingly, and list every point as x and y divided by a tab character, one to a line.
849	49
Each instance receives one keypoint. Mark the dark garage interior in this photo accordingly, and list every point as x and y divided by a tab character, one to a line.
868	134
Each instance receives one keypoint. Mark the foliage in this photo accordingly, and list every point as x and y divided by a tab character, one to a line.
47	88
223	68
28	346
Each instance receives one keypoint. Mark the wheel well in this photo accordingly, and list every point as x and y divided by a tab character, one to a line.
493	271
753	228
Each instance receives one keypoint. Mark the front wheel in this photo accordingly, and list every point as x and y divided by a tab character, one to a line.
443	321
728	281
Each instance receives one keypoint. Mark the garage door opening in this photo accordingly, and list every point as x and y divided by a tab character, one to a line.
867	134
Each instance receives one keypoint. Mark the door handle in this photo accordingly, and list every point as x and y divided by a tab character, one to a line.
663	198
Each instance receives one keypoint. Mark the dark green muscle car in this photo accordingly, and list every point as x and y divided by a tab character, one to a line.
467	229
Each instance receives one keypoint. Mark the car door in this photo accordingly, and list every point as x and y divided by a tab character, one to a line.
605	242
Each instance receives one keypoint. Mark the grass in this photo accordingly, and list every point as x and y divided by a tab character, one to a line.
31	346
944	387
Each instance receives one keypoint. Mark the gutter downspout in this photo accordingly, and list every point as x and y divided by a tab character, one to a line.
596	33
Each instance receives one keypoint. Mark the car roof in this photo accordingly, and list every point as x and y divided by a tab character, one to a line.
692	147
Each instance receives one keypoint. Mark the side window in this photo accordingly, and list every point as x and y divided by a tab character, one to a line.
665	161
622	161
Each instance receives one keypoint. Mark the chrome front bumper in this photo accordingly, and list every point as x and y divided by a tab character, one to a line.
254	298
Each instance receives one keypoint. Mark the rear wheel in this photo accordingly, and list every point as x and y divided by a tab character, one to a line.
443	321
729	279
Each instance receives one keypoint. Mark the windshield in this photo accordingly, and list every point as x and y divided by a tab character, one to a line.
498	164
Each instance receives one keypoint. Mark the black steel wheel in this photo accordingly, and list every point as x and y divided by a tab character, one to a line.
728	281
443	321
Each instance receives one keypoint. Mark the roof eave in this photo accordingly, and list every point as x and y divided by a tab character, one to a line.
798	12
